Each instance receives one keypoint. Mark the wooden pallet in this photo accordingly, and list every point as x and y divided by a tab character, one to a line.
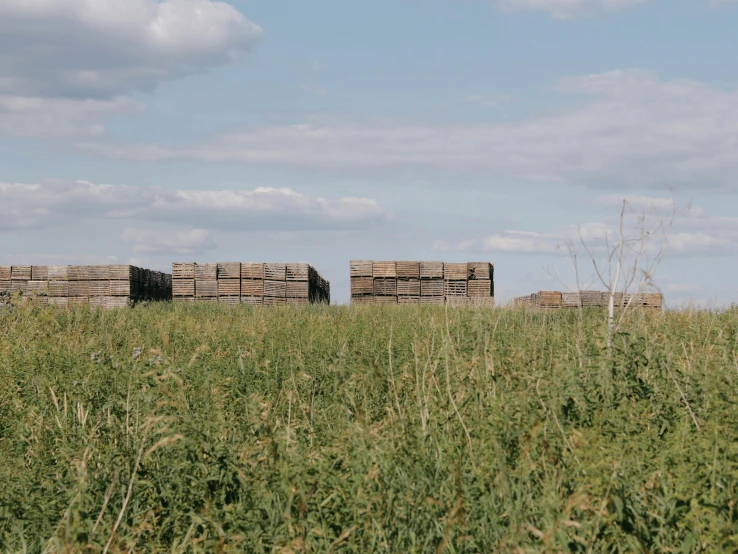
593	299
20	273
59	301
38	287
275	289
120	288
5	272
385	287
384	270
122	272
298	272
252	300
431	299
455	288
298	289
183	270
79	288
548	299
431	287
252	287
59	289
229	300
99	272
206	289
99	288
113	302
408	299
275	301
479	288
362	285
362	299
455	272
184	299
361	268
385	299
479	270
409	270
230	287
408	287
183	287
206	272
252	270
79	273
298	300
39	273
275	272
18	286
431	270
229	270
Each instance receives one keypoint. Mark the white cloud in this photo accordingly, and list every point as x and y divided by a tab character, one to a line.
106	48
264	208
170	241
567	9
634	130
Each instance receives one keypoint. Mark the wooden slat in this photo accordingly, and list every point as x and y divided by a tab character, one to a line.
253	300
40	273
385	287
592	298
298	289
229	287
479	270
455	288
183	270
408	287
548	299
59	301
115	302
98	301
18	286
361	268
431	299
20	272
275	272
229	300
479	288
59	289
79	273
184	299
384	269
252	270
570	299
362	285
183	287
38	287
431	287
297	272
206	288
99	288
410	270
275	289
274	301
5	272
99	272
58	272
298	300
120	288
5	285
229	270
481	302
206	272
408	299
121	272
79	288
431	270
385	300
455	272
362	299
252	287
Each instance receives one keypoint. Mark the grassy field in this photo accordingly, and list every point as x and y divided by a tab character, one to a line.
196	429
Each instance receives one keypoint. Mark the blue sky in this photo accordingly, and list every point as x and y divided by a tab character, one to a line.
154	131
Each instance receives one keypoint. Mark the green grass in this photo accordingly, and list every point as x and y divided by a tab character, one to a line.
197	429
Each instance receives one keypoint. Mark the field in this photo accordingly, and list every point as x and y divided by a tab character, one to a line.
203	428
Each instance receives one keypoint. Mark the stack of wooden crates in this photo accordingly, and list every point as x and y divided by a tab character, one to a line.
459	284
553	300
249	283
110	286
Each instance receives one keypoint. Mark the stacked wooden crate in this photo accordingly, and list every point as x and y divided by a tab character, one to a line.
407	282
101	285
550	300
249	283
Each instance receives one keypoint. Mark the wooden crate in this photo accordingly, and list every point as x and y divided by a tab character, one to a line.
431	300
479	270
570	299
275	272
408	287
275	289
5	272
59	289
79	288
38	287
385	300
298	272
5	285
113	302
185	299
122	272
298	289
58	273
481	302
362	285
385	287
59	301
40	273
410	270
229	270
431	270
408	299
431	287
253	300
206	272
479	288
275	300
99	288
549	299
120	288
20	272
455	272
298	300
361	268
252	270
229	300
183	287
206	289
362	299
229	287
183	270
99	272
252	287
384	270
98	301
18	286
79	273
653	300
78	300
455	288
458	301
592	299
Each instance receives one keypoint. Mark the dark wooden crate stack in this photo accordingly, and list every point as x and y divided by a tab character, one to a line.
551	300
108	286
406	282
249	283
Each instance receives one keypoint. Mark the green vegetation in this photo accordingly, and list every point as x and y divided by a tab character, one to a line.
202	429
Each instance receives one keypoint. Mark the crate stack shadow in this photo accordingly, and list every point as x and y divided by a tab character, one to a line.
109	286
554	300
405	282
249	283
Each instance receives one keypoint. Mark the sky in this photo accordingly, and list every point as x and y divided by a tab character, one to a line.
510	131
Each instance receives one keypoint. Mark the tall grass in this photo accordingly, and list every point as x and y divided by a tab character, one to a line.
199	429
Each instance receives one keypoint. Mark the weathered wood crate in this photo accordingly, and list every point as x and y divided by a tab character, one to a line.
589	299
